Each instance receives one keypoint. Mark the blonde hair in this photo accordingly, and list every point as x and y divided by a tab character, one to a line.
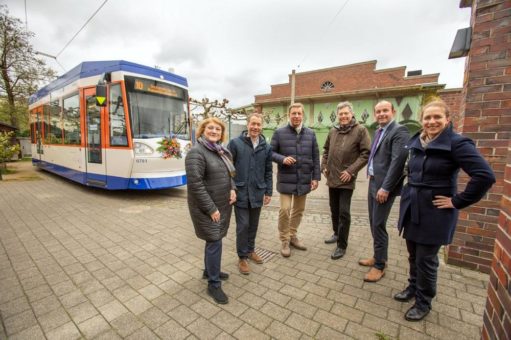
214	120
255	114
300	105
436	103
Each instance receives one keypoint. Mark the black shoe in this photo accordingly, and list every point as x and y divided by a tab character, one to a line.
218	295
405	296
338	253
416	313
223	276
332	239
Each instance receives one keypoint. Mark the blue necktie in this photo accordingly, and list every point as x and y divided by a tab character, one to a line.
374	146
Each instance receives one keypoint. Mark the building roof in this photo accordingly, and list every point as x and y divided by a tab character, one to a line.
8	126
358	79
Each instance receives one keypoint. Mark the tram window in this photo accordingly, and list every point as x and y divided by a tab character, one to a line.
33	126
71	120
46	123
54	135
118	136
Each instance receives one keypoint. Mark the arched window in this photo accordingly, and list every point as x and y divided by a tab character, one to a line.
327	86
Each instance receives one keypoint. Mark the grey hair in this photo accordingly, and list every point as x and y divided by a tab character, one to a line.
342	105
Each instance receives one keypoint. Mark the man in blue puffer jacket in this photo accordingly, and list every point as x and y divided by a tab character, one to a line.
252	159
296	152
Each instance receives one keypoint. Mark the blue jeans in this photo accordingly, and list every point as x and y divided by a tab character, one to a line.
212	262
247	221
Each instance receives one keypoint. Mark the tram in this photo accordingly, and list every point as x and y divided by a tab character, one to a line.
111	124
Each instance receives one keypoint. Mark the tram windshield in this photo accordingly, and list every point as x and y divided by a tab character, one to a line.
157	109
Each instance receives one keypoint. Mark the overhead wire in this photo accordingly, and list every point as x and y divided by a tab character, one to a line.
326	29
74	36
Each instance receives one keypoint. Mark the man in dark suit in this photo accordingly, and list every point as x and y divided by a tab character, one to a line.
385	171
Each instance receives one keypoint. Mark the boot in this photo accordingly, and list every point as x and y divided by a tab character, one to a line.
296	243
285	250
243	266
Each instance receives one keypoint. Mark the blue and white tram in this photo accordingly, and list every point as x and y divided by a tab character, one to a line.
107	135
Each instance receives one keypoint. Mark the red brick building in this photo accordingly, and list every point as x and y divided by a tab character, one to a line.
483	238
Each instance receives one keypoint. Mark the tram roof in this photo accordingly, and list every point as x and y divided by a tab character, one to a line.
94	68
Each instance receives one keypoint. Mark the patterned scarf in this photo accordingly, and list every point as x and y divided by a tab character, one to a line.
222	152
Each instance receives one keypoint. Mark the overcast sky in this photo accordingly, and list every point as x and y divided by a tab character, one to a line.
235	49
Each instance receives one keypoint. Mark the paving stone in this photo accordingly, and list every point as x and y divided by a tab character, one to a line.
67	331
205	308
226	321
279	330
108	335
166	303
318	301
360	332
82	312
46	305
316	289
19	322
381	324
72	298
126	324
34	332
301	308
53	319
94	326
249	332
234	307
203	329
13	307
186	296
112	310
100	297
183	315
256	319
125	293
275	312
347	312
143	333
277	298
304	325
330	320
293	292
153	318
150	292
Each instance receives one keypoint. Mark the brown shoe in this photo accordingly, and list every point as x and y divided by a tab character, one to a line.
285	251
374	275
296	243
367	262
256	258
243	267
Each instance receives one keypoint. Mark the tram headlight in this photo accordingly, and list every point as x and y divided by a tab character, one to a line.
143	149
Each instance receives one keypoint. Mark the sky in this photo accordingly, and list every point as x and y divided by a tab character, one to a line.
236	49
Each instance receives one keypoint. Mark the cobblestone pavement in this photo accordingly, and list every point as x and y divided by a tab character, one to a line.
77	262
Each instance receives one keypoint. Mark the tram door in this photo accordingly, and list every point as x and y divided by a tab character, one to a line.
94	153
38	133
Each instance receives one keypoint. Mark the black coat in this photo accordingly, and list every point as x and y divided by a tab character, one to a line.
209	188
432	172
253	170
296	179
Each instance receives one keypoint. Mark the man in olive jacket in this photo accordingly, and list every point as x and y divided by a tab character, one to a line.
296	152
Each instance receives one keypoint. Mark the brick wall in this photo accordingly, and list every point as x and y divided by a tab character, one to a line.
452	97
485	118
347	78
497	315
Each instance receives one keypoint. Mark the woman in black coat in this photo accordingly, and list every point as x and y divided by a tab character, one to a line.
211	193
430	202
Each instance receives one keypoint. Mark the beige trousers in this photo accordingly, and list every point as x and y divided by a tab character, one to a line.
290	215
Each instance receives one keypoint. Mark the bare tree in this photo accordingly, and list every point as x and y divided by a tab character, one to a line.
204	108
21	71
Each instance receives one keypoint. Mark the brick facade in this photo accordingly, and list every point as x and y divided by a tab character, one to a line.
483	237
452	97
360	79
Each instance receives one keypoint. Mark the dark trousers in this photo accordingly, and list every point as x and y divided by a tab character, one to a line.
340	202
423	259
247	221
378	215
212	262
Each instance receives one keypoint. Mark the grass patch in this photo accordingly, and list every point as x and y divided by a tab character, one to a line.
382	336
7	171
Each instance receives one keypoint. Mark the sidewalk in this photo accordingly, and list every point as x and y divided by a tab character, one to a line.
77	262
